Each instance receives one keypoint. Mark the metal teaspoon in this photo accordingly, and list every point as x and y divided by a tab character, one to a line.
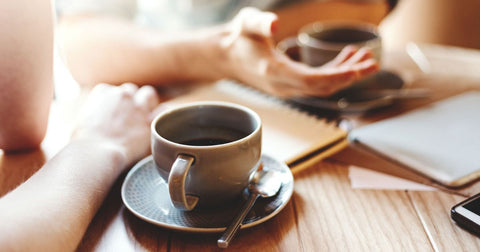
265	183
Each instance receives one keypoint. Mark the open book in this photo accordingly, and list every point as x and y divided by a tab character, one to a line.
289	135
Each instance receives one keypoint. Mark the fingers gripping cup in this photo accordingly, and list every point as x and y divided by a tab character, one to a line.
207	152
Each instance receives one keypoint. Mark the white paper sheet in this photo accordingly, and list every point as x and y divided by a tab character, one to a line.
362	178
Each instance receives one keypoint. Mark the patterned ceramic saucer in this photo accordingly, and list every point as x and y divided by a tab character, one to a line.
145	194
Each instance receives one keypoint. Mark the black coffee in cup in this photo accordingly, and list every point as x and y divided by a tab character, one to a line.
205	136
344	35
207	151
206	141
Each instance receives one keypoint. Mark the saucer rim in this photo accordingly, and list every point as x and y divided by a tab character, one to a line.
140	164
332	105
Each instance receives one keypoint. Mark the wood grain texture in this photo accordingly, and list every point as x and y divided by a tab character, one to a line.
434	210
334	217
15	168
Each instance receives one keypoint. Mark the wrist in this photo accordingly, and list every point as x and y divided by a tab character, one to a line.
110	154
193	55
210	56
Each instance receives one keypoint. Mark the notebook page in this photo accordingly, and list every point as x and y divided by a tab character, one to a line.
288	134
440	140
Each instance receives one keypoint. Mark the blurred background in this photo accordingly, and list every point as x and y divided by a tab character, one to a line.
449	22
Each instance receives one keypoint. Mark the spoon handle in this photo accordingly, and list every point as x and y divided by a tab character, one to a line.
230	232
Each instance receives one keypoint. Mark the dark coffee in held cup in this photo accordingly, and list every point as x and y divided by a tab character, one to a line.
320	42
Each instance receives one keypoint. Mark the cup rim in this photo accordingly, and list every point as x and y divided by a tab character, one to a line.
206	103
303	37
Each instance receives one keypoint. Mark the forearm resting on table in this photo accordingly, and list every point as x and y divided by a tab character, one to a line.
52	210
114	51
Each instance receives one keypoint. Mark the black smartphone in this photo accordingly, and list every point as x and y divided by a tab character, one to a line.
467	214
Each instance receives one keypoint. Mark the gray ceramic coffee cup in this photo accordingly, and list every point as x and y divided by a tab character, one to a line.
207	151
320	42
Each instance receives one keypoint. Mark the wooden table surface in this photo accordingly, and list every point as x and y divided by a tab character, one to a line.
324	213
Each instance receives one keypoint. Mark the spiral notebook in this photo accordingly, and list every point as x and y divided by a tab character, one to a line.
289	135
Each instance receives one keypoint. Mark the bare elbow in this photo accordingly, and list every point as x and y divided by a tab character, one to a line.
21	140
24	117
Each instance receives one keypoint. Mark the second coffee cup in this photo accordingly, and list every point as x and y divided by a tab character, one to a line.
207	151
320	42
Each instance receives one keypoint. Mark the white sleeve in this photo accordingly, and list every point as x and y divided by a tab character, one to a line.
119	8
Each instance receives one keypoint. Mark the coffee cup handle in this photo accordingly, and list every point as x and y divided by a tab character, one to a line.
176	183
287	44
